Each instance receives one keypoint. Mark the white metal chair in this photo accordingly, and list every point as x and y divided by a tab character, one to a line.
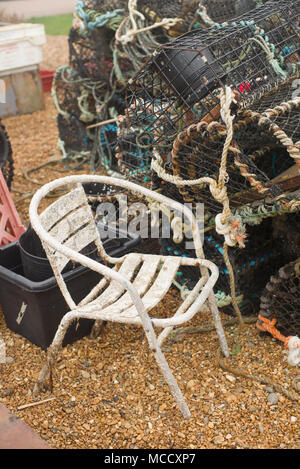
129	290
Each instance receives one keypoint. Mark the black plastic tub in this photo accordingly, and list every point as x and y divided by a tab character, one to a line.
35	309
35	263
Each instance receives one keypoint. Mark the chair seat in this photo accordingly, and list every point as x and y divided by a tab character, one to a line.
151	275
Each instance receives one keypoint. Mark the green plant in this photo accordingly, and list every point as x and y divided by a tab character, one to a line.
236	348
58	25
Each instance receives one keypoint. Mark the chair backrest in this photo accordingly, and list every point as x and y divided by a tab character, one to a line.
70	221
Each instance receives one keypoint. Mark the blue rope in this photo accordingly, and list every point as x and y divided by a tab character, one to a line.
100	20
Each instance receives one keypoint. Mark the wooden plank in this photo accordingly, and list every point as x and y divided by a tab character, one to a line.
285	184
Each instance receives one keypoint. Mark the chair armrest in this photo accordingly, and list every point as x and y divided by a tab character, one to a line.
178	319
86	178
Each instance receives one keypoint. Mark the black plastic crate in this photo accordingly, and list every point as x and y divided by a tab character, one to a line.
35	309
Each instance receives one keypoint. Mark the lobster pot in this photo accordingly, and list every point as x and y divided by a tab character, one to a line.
268	135
280	299
261	162
106	136
73	135
277	115
252	266
133	151
73	98
6	156
90	55
130	56
286	232
90	39
220	11
156	10
181	83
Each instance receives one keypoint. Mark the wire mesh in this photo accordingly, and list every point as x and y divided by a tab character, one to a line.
81	102
280	299
91	55
252	266
220	11
186	10
261	160
286	232
149	20
72	95
73	136
181	83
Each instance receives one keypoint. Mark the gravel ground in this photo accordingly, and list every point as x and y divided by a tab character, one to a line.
55	52
108	392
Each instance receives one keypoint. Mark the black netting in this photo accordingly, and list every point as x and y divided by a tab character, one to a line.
73	135
280	299
6	158
286	232
220	11
130	55
252	266
91	56
155	11
73	97
181	83
260	163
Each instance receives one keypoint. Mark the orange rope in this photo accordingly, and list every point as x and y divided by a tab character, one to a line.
269	326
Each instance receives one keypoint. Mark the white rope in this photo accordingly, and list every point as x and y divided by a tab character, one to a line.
230	227
130	35
224	229
294	351
2	351
178	230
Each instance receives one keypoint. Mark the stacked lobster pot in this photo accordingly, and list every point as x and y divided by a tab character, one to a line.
6	157
214	113
85	89
108	43
180	84
145	27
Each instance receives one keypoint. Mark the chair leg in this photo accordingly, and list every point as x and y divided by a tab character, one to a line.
218	323
163	364
97	329
44	380
171	381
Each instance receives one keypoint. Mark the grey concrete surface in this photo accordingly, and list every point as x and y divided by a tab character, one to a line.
29	8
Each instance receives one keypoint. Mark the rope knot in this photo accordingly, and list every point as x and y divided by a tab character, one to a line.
291	343
234	230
